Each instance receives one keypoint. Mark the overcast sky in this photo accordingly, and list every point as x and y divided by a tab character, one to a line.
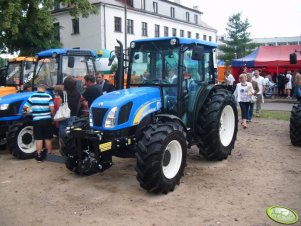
268	18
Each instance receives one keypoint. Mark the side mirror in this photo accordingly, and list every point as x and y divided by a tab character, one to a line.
111	59
293	58
71	61
197	52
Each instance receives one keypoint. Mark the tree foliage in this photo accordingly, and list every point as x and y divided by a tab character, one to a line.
237	42
27	25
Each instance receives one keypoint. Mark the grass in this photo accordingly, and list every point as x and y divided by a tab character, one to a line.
277	115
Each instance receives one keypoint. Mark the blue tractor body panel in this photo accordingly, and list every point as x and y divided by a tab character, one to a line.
132	106
16	103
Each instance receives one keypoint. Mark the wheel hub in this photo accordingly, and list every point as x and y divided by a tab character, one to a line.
27	138
166	158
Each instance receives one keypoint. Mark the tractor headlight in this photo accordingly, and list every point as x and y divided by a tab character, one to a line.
111	118
90	120
4	107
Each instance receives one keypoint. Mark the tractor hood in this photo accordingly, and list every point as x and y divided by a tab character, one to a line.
15	97
11	106
124	108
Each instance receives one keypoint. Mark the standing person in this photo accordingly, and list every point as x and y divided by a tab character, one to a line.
106	86
243	93
256	90
229	79
73	99
280	85
92	90
288	85
261	85
41	105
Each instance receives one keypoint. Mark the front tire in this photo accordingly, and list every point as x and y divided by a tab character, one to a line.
217	125
21	142
161	157
295	125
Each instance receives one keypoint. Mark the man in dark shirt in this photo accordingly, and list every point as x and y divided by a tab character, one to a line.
106	86
92	91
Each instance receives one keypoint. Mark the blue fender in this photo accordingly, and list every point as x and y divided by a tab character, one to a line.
132	106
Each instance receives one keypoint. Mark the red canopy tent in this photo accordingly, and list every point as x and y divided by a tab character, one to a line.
269	59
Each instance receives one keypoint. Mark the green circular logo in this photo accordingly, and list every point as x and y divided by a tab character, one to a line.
282	215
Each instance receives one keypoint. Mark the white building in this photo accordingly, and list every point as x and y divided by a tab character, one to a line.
144	19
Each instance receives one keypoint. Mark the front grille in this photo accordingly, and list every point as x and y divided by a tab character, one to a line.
98	114
12	110
124	113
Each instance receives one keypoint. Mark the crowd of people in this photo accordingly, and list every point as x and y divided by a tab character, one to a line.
252	87
43	107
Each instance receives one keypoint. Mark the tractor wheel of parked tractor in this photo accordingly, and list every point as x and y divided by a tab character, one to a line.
3	143
161	157
21	142
217	125
295	125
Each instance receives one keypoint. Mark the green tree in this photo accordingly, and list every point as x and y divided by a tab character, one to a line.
237	42
27	25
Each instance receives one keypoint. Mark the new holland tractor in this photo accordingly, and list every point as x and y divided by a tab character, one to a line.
170	104
50	69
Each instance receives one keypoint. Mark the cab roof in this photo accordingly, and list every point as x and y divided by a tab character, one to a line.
183	41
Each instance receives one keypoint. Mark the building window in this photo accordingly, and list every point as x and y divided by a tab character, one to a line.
188	34
181	33
197	35
196	19
155	6
165	31
157	30
57	30
130	26
174	32
172	12
187	17
117	23
210	38
56	5
75	26
293	43
204	37
144	29
143	4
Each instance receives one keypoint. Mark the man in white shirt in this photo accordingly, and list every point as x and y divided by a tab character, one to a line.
229	79
261	85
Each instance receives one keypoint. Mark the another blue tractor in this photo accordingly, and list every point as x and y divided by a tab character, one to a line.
51	67
170	103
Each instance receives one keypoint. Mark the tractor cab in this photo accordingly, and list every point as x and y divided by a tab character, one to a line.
54	65
17	74
180	67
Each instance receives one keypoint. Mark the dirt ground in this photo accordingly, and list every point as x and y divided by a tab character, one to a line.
263	170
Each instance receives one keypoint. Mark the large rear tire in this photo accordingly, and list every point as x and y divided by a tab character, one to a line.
20	140
161	157
217	125
295	125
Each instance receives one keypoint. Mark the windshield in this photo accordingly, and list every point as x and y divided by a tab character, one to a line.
14	72
82	66
160	66
46	72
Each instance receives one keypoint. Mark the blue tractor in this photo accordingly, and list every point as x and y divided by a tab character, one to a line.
51	67
170	103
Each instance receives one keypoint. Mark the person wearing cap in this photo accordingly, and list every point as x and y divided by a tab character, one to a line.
40	104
